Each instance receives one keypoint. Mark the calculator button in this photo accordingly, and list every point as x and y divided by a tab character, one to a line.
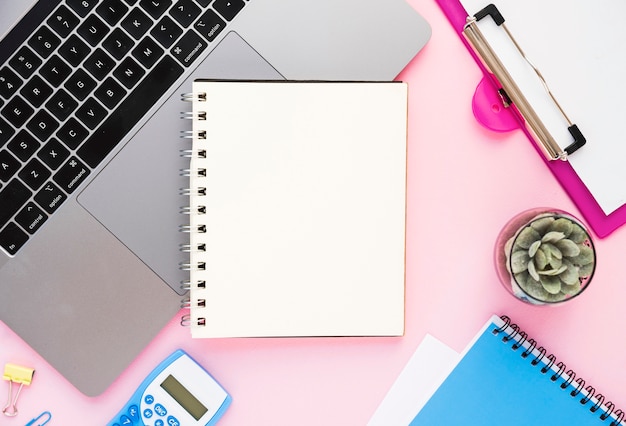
125	421
159	422
133	413
149	399
173	421
148	413
160	410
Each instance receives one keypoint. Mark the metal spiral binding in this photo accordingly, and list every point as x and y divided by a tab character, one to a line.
193	153
513	333
190	97
190	134
189	115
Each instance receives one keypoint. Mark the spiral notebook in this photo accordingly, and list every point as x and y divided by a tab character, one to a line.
297	208
503	377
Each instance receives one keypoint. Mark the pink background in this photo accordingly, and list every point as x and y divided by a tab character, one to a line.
464	184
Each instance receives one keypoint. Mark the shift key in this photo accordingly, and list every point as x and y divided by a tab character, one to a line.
71	175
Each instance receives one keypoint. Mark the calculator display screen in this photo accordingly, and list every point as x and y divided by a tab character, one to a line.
185	398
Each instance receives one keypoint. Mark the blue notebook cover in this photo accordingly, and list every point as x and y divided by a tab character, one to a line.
503	378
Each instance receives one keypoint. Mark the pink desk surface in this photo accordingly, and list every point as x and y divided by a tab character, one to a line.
464	184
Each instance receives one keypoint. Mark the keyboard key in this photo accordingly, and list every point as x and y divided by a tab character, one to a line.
36	91
93	30
25	62
112	11
53	154
209	25
63	21
31	218
71	175
74	50
228	8
118	44
12	238
137	23
99	64
188	48
17	111
44	42
80	84
82	7
23	145
72	133
55	71
147	52
185	12
34	174
129	73
130	111
8	165
110	93
50	197
9	82
166	32
6	131
91	113
42	125
12	198
61	105
155	8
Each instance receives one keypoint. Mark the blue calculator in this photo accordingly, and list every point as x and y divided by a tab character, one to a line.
178	392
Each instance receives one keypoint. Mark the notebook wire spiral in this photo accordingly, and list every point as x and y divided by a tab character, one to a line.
194	228
583	392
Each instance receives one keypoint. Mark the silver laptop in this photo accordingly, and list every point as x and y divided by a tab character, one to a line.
90	181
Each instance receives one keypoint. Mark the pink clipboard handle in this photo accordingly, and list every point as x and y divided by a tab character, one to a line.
501	120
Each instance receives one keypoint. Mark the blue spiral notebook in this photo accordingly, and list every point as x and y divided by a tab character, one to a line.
503	377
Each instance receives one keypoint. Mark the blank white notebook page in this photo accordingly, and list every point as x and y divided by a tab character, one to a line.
305	209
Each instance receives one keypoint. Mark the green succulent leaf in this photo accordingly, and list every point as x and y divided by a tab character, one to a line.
534	288
541	225
554	251
551	283
562	225
553	272
527	237
541	260
585	270
578	234
570	290
555	262
552	237
532	270
533	248
569	275
519	261
585	256
568	248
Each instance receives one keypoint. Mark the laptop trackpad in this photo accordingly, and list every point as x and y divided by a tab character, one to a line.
136	196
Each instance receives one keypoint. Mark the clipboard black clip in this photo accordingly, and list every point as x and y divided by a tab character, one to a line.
511	93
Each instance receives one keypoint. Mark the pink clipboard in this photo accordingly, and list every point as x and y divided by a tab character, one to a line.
486	107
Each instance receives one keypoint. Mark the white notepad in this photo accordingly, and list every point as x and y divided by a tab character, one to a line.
300	204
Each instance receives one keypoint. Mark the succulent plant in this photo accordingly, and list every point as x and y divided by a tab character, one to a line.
550	258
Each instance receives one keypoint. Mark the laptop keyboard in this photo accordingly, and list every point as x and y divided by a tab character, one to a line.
76	77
